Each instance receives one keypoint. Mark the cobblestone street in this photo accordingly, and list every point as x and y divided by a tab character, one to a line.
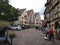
31	37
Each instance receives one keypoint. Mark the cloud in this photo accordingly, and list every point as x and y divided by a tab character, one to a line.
36	5
42	10
29	4
42	17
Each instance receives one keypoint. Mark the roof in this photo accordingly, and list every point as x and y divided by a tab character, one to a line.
21	11
29	11
36	14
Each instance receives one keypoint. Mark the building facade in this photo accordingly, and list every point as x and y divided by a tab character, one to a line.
22	18
30	17
37	19
52	13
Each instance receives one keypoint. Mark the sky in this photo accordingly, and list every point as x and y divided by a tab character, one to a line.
36	5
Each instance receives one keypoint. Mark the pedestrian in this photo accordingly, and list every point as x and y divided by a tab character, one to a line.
51	34
47	31
36	27
58	35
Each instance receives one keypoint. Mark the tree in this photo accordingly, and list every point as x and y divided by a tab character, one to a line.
7	12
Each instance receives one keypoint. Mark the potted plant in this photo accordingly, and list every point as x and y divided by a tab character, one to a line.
12	36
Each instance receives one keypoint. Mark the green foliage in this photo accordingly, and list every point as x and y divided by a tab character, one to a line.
10	13
12	35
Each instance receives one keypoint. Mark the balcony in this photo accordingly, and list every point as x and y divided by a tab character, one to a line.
47	20
54	17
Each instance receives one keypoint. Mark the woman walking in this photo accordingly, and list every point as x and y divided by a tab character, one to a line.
51	34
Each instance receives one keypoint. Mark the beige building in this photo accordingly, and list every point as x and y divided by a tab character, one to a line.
52	13
30	17
23	17
37	19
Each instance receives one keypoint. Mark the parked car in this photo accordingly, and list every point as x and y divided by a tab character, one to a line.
16	27
23	27
26	27
3	36
2	32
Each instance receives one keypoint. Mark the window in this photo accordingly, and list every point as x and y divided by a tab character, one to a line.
48	15
25	16
22	17
58	8
25	22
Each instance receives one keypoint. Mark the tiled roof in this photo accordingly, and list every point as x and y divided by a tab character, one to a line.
21	11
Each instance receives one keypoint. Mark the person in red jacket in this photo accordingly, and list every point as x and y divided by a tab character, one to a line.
51	34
